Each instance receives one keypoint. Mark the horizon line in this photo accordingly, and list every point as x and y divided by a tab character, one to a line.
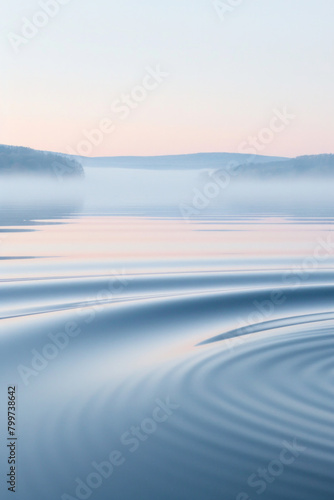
154	156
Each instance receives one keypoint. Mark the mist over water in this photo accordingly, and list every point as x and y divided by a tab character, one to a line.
207	191
204	192
187	326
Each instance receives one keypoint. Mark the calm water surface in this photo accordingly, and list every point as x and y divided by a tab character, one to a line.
201	351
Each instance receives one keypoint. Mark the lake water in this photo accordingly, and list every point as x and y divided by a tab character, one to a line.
162	357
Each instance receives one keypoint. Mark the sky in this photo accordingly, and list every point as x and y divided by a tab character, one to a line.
110	78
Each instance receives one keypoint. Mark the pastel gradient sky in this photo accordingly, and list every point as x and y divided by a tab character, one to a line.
225	76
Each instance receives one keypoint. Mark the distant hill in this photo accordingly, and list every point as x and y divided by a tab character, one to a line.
176	162
249	166
310	166
18	160
29	162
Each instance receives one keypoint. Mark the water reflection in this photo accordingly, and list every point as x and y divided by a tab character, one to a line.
226	318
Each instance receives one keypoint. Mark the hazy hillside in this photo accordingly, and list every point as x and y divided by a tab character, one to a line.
19	160
176	162
251	166
29	162
302	166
